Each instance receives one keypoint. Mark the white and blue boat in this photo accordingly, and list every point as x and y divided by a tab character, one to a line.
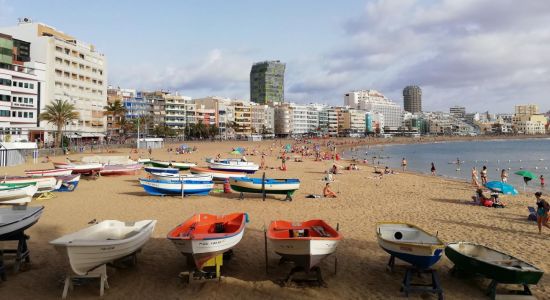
233	165
68	183
162	170
410	244
170	176
270	185
176	187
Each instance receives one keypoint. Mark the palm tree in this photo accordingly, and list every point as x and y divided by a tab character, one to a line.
59	113
115	109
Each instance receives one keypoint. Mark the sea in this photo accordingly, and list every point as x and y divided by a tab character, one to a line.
512	155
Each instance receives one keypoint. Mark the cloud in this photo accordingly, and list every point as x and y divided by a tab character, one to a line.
217	73
478	53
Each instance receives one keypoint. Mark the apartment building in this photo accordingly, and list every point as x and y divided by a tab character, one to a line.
243	118
176	109
156	106
263	119
74	71
374	101
20	91
353	122
528	120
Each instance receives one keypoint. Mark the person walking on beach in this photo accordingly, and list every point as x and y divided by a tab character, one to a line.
542	211
433	169
504	176
484	175
262	162
283	162
474	177
404	164
541	181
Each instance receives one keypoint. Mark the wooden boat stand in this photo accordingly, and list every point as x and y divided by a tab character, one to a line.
99	272
492	290
45	196
408	286
211	269
21	254
311	277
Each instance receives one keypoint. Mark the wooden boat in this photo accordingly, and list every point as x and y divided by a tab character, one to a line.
272	186
172	164
120	169
48	172
170	176
68	183
16	219
176	187
17	194
44	184
493	264
233	165
304	243
409	243
205	236
79	167
217	174
103	243
161	170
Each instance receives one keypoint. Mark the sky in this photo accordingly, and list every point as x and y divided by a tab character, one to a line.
481	54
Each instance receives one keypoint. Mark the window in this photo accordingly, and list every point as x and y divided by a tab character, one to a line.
26	85
14	83
4	113
13	114
5	81
31	85
25	115
19	114
31	115
20	84
25	100
5	98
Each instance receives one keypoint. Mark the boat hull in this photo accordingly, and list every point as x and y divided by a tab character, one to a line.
234	165
498	273
119	170
161	170
177	165
68	183
249	185
43	184
14	221
85	254
304	253
217	174
174	187
48	172
192	177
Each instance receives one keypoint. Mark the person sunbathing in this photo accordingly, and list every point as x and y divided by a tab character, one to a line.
327	192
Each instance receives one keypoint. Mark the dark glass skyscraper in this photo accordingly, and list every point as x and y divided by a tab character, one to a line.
412	99
267	82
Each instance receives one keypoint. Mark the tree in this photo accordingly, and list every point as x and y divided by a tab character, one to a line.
59	113
115	109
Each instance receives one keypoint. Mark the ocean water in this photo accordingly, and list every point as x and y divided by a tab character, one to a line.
512	155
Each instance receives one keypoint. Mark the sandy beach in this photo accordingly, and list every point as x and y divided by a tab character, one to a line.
435	204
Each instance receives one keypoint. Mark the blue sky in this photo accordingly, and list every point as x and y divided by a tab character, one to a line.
461	52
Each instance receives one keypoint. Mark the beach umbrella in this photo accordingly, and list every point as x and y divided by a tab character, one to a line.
288	147
501	187
184	146
526	174
235	152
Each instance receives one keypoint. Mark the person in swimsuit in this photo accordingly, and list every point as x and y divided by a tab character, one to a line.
504	175
433	169
474	177
542	211
484	175
404	164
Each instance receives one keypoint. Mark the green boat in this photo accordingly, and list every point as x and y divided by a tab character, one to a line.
7	186
500	267
172	164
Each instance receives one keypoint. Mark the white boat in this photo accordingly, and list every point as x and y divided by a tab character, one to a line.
17	194
44	184
79	168
409	243
15	219
217	174
304	243
233	165
103	243
48	172
206	236
171	176
157	187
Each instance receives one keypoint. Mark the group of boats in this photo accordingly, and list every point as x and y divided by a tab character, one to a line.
200	181
422	250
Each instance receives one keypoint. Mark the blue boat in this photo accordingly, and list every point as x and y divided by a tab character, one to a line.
69	183
162	170
410	244
158	187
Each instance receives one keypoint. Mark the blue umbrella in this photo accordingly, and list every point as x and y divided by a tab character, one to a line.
501	187
184	146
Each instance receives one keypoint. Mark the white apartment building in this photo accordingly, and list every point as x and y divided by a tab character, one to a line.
296	119
263	119
176	107
374	101
74	71
19	101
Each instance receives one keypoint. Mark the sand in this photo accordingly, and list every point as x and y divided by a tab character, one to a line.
433	203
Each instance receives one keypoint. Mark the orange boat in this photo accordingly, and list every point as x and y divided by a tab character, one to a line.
205	236
304	243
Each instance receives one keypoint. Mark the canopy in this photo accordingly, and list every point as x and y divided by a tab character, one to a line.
526	174
501	187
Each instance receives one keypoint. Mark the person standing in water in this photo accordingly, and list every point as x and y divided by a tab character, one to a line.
504	176
474	177
433	169
404	164
484	175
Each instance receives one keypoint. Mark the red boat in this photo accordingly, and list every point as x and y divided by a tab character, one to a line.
120	169
79	168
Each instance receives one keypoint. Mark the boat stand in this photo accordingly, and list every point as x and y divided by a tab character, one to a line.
99	272
310	277
492	290
434	287
211	270
22	253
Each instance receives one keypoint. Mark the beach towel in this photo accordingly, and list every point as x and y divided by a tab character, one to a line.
313	196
